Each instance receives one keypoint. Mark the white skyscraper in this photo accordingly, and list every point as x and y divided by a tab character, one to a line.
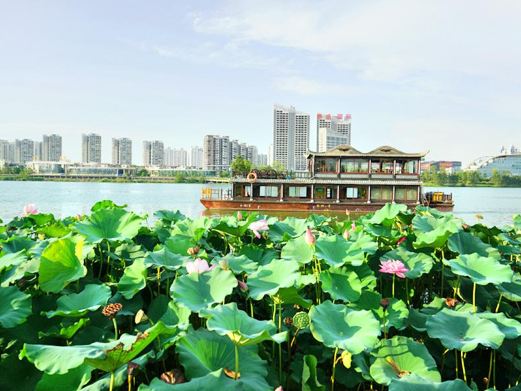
290	137
52	148
91	148
216	153
196	157
122	151
180	157
333	130
38	155
23	151
153	153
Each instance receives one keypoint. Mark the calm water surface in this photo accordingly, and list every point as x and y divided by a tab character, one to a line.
496	205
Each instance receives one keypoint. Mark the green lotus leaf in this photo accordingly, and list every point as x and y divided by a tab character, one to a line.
512	289
12	259
341	284
166	259
16	244
336	251
107	356
417	383
387	213
481	270
309	374
15	307
511	328
401	355
297	250
286	229
65	329
134	279
109	224
169	216
197	291
465	243
202	352
15	273
337	326
91	298
238	326
434	232
291	295
193	228
260	255
61	263
239	263
417	263
463	331
75	379
268	279
396	314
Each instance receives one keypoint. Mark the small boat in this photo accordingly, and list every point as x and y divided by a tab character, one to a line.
342	179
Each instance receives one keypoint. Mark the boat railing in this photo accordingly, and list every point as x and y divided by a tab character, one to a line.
209	193
438	197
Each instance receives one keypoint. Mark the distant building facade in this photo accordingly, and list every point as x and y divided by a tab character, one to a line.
153	153
51	148
6	151
290	137
333	130
91	148
196	157
449	167
38	155
262	159
507	162
216	153
23	151
122	151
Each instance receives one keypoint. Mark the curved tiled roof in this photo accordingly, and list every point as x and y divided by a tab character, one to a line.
383	151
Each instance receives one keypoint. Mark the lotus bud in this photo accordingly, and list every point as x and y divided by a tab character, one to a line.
279	388
192	251
131	367
110	310
288	321
401	240
239	215
140	317
384	303
309	237
346	234
242	286
346	359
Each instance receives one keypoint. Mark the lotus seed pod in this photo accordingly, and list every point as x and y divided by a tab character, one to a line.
301	320
110	310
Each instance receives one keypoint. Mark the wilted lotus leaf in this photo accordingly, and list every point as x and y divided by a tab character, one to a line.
463	330
78	304
481	270
337	326
15	307
400	357
197	291
268	279
238	326
107	356
109	224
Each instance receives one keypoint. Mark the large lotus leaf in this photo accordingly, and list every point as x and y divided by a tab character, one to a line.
134	279
291	295
465	243
417	383
239	263
65	329
481	270
401	355
12	259
268	279
15	307
341	284
197	291
434	232
109	224
15	273
336	251
107	356
512	289
202	352
286	229
309	374
396	315
297	250
387	213
510	327
237	325
17	243
75	379
337	326
61	263
78	304
417	263
463	330
179	244
166	259
194	229
260	255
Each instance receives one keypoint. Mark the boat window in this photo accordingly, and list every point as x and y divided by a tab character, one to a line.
400	194
382	167
353	165
325	165
268	191
381	193
410	167
406	193
412	194
352	192
298	191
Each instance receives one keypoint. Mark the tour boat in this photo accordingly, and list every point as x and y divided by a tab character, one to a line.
342	179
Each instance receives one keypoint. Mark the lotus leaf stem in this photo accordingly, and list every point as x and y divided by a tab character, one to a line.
463	367
115	327
333	370
474	309
393	285
158	281
499	302
236	374
490	369
280	345
111	384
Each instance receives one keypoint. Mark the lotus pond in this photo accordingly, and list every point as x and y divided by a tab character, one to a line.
399	300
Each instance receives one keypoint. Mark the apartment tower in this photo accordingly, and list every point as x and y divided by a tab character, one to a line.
91	148
122	151
333	130
290	137
52	148
153	153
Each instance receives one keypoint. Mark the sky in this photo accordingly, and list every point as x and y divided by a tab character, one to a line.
442	76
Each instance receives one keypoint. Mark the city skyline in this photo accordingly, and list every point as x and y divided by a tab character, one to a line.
414	75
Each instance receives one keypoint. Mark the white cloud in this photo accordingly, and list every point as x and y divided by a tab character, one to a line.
305	86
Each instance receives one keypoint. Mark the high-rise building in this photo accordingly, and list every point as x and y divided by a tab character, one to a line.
270	155
251	154
290	137
333	130
52	148
196	157
216	153
91	148
262	159
122	151
176	157
6	151
153	153
23	151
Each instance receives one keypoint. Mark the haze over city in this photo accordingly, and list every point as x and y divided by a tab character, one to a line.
412	75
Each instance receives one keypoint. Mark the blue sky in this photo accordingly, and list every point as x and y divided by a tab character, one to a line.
440	75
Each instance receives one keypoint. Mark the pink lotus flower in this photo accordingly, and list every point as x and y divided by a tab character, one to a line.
29	209
239	215
279	388
346	234
242	285
353	227
309	237
198	266
259	226
401	240
393	266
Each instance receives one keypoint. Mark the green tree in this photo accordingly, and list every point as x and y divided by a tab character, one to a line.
497	179
241	166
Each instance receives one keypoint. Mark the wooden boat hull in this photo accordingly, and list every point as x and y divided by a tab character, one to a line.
303	206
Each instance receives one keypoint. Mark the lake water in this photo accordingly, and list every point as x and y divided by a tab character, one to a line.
496	205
